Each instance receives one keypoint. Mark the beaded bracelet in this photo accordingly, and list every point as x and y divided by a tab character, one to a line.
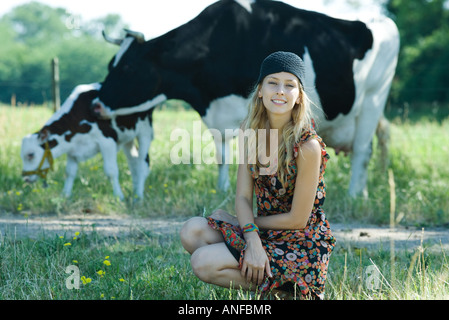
250	227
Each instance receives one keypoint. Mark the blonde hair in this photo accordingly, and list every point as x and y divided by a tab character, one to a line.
292	131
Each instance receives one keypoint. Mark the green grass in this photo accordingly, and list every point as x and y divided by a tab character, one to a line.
418	159
420	274
165	189
156	267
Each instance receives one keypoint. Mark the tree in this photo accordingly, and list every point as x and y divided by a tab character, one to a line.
33	34
35	23
112	24
422	72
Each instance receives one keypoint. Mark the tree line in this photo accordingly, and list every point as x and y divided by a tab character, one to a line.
32	34
422	75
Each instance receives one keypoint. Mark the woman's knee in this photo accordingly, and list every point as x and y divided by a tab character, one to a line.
215	264
192	226
205	263
195	233
199	264
190	230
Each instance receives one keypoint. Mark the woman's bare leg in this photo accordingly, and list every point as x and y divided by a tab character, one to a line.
215	264
211	260
196	233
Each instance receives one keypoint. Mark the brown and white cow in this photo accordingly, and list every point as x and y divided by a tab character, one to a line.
75	131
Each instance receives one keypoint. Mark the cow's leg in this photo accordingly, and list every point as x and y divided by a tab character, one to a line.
71	170
142	163
367	124
377	83
131	153
223	152
108	149
225	113
359	175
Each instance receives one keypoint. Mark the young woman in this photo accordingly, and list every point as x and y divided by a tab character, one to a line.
287	246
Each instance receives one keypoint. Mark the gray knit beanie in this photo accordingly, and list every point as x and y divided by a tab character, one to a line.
281	61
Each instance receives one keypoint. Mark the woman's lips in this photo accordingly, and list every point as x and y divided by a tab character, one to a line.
279	102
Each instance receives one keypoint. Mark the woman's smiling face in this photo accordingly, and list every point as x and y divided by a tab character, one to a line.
280	92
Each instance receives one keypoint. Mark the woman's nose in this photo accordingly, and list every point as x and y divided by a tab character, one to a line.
280	90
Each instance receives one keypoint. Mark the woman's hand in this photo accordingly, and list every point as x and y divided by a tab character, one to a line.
255	262
225	217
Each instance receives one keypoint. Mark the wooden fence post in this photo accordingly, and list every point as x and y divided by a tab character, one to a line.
13	100
55	84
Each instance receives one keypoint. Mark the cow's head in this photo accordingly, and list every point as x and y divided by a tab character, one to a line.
133	79
36	156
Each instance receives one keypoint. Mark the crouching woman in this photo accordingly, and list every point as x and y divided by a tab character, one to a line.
287	245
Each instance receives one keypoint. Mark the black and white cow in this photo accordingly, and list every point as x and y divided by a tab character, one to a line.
75	131
212	62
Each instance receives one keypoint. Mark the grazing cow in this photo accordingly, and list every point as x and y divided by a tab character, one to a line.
75	131
212	62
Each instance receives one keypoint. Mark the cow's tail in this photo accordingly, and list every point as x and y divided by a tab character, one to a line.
383	140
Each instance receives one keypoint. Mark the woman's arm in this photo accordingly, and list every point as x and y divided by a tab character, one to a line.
255	263
308	163
244	196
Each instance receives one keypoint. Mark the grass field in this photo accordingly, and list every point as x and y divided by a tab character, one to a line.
156	267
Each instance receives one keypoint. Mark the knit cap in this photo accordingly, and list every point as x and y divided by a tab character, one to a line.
282	61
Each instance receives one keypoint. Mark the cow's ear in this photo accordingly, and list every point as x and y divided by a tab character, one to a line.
43	135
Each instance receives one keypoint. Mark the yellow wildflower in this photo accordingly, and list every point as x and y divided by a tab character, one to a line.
67	244
85	280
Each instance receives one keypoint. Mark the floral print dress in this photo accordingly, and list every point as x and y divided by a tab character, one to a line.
297	257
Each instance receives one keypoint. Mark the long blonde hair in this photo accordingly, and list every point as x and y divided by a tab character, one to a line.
291	132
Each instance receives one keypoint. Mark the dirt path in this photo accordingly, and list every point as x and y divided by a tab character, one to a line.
353	236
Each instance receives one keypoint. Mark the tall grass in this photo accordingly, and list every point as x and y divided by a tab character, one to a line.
171	190
418	154
156	267
418	159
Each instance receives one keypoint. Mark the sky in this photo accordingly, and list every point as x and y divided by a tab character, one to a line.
156	17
